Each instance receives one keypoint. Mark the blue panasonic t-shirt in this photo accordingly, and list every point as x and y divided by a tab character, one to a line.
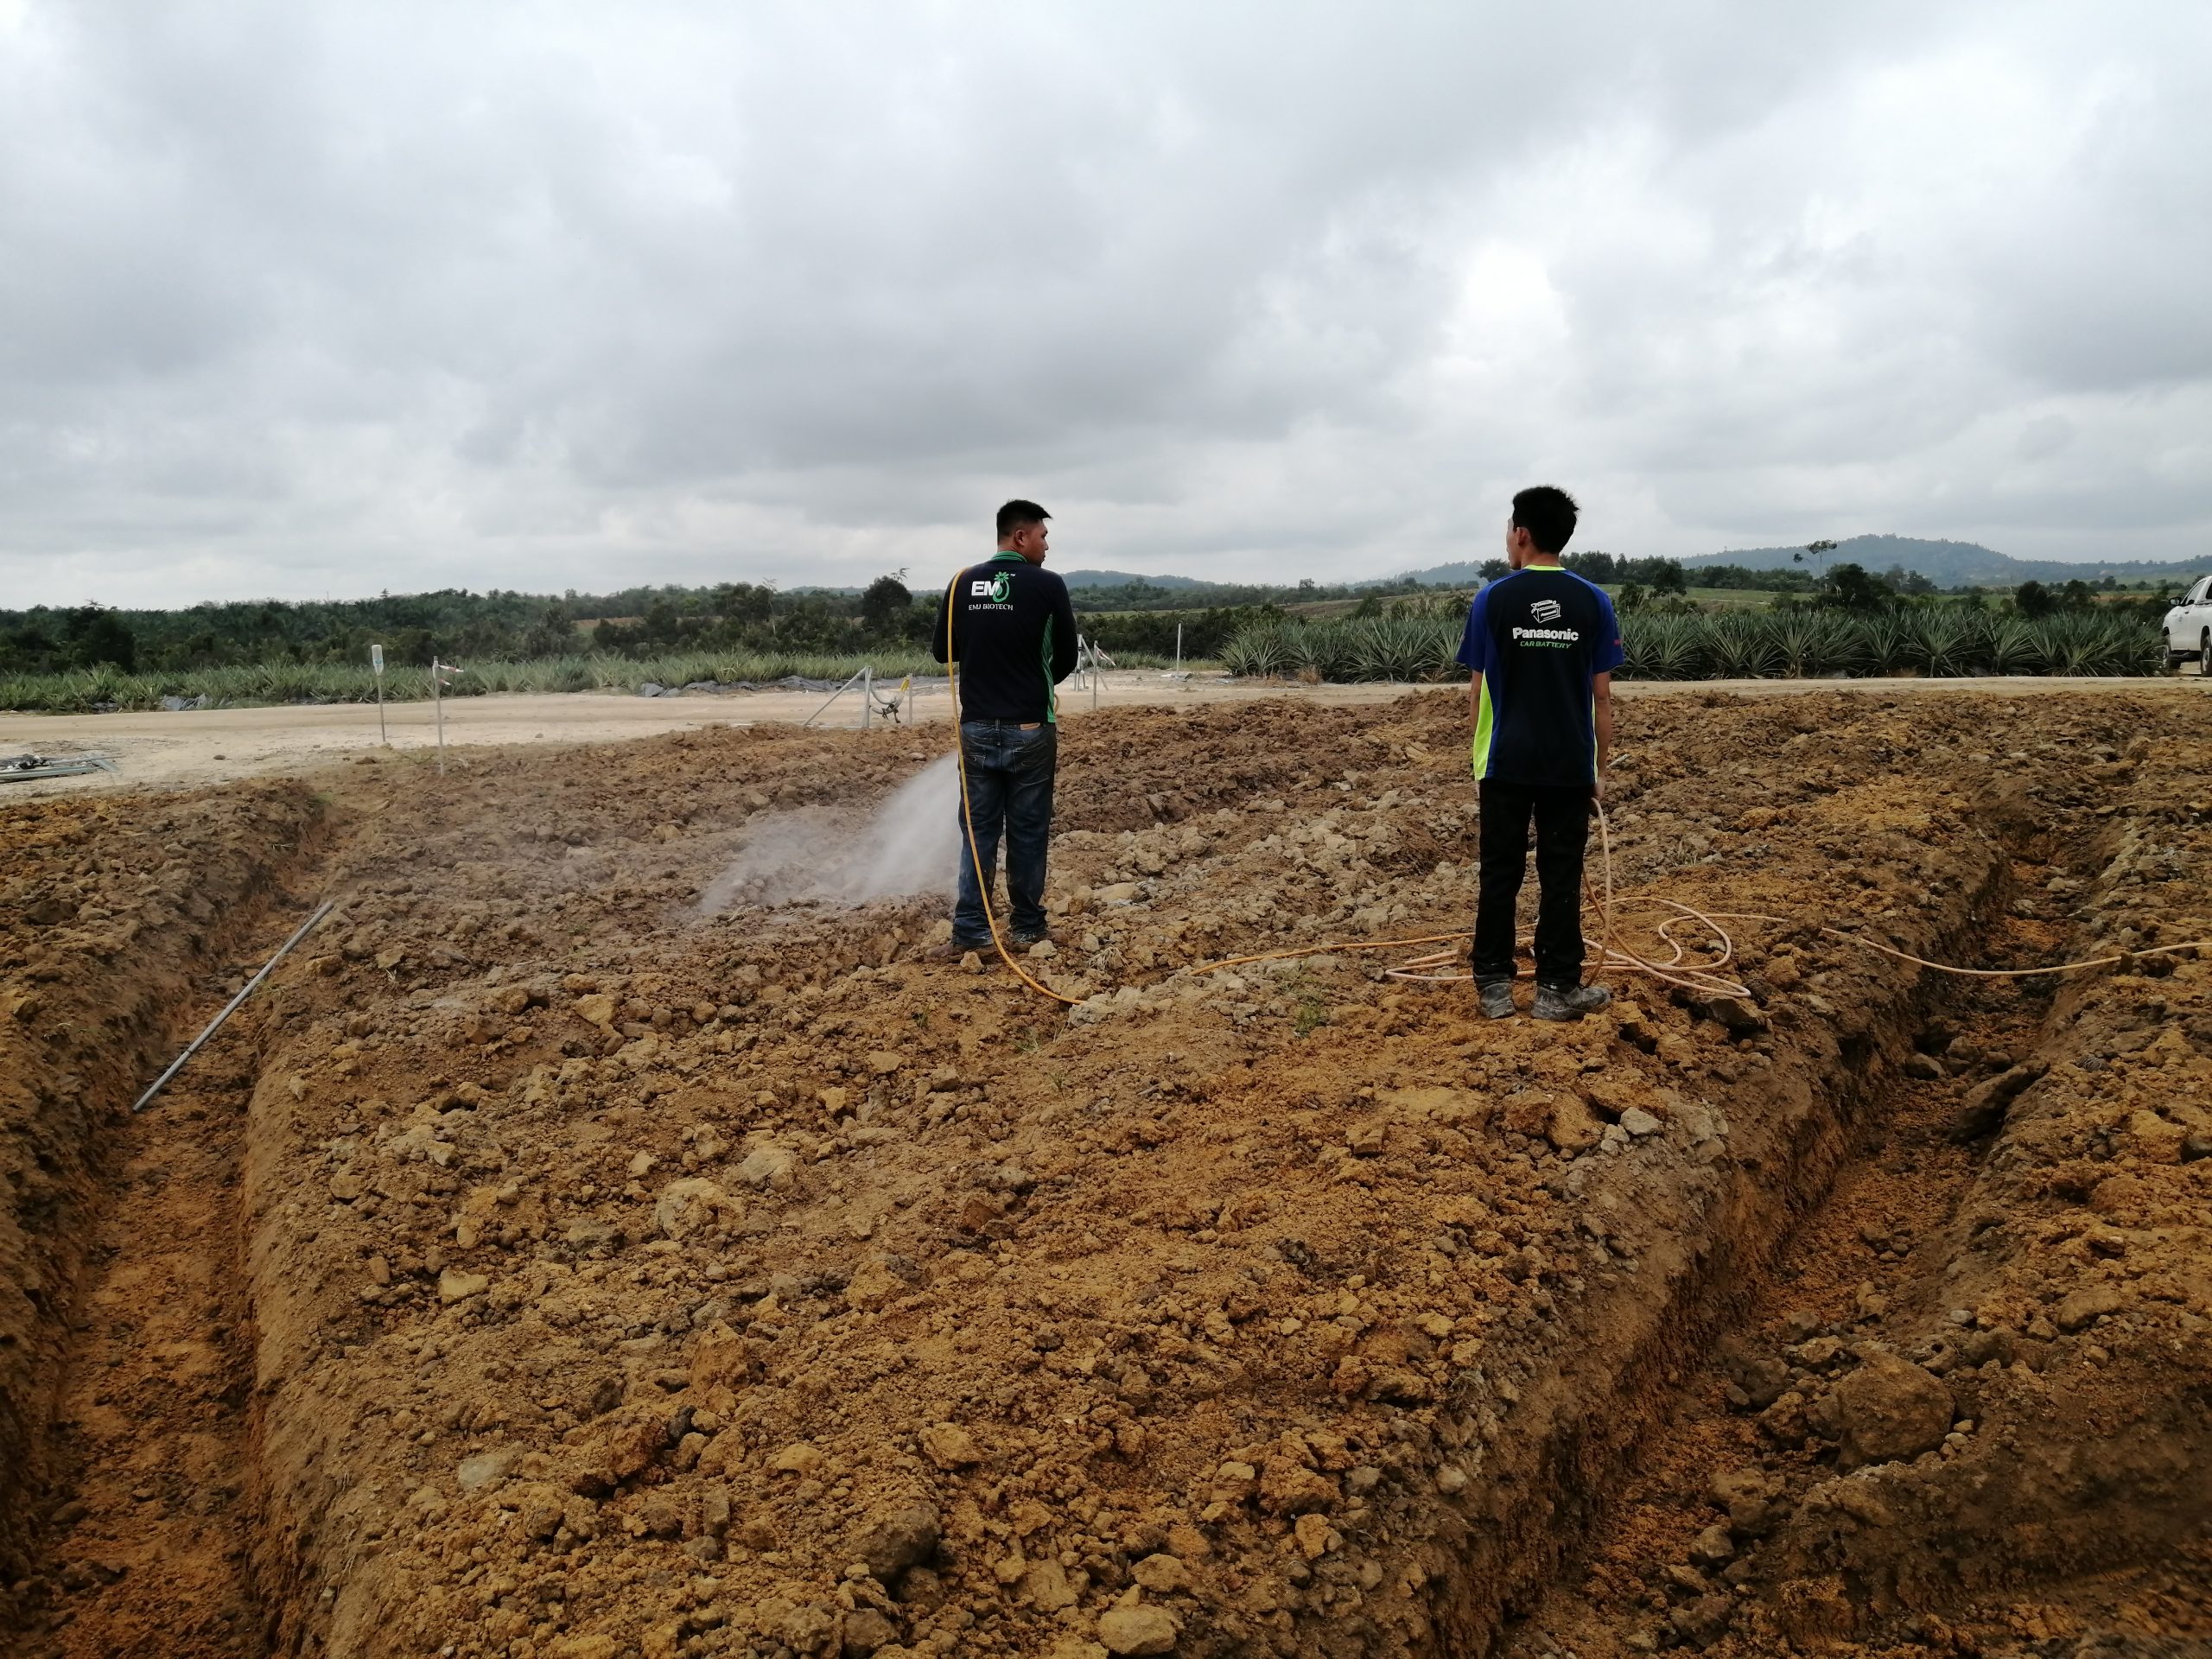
1537	637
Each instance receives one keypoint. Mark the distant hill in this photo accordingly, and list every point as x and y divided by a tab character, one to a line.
1123	579
1947	564
1463	575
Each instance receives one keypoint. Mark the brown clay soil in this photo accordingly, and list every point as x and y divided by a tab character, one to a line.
539	1267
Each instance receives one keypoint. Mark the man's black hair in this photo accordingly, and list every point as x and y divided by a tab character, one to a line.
1015	514
1545	512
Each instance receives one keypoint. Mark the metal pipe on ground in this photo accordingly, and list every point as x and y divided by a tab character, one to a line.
230	1006
834	695
24	768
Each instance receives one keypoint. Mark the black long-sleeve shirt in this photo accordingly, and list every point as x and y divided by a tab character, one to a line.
1013	636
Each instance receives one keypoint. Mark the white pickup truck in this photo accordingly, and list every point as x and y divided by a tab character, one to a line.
2189	628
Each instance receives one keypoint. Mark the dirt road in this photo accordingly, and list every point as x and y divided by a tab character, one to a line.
217	745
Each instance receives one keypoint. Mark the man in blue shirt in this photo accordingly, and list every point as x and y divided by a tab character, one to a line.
1541	643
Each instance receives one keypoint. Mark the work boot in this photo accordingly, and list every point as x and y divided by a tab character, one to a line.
1497	997
1569	1001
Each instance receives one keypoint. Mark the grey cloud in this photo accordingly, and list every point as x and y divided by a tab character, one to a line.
543	297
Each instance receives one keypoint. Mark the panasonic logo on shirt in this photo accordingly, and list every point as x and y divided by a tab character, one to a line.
1564	636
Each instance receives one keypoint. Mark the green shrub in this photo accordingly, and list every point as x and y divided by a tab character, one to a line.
1877	645
1811	643
1320	652
1935	641
2084	642
1257	652
1742	647
2011	647
1943	642
1677	648
1398	647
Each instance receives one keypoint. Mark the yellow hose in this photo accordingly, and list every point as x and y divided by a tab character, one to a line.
1698	976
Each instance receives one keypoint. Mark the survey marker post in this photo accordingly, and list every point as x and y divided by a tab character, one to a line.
376	662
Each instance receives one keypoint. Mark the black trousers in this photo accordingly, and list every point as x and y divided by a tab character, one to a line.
1562	821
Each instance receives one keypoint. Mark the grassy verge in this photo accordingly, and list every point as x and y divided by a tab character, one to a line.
105	691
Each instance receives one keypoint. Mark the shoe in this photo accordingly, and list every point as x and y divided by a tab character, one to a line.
1043	935
1569	1001
1497	997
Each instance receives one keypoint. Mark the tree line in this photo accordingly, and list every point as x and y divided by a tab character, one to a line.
455	625
1852	587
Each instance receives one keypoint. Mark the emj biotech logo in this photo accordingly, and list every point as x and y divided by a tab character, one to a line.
998	587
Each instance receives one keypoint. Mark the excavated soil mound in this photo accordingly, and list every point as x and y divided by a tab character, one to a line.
626	1278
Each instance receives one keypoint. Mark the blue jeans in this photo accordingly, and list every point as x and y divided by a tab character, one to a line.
1010	788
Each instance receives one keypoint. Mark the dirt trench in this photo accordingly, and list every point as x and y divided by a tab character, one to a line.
1780	1179
1858	1346
113	914
152	1438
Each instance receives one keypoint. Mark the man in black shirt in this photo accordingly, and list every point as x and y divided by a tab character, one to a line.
1542	644
1013	639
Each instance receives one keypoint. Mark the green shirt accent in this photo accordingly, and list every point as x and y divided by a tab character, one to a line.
1052	691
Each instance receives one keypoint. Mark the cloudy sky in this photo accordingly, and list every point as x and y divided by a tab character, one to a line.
298	298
